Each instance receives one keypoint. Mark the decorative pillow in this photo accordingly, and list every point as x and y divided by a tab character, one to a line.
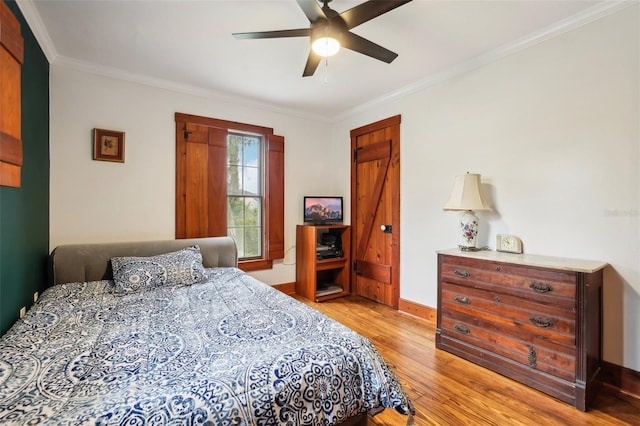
183	267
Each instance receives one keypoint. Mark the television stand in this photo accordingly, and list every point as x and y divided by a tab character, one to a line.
323	273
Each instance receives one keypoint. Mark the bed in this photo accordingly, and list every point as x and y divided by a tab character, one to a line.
171	332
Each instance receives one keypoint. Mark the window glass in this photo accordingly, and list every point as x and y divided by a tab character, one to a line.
245	193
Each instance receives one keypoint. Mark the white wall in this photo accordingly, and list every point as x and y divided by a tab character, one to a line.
98	201
554	131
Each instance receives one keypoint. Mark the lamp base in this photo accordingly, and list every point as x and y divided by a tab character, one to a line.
463	248
468	231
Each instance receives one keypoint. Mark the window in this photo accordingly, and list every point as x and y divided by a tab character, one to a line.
230	181
244	193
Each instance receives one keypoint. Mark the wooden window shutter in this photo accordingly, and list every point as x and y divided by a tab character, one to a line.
11	58
201	190
201	183
217	194
274	197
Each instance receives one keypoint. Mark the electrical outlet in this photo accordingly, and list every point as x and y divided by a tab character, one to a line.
35	297
23	311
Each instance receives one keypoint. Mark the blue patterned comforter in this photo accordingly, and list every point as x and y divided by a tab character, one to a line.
229	351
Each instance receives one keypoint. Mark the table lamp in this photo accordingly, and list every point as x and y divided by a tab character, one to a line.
467	197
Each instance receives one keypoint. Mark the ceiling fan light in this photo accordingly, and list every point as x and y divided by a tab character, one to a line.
325	46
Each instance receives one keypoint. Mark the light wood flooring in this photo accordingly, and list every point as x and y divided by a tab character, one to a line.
447	390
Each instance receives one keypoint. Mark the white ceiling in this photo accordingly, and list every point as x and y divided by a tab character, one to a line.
188	46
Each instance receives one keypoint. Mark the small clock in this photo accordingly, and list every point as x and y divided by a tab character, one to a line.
508	243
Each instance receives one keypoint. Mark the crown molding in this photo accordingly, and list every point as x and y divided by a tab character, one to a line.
31	15
118	74
598	11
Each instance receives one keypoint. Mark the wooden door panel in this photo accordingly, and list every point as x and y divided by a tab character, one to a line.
373	243
375	203
376	271
371	289
371	167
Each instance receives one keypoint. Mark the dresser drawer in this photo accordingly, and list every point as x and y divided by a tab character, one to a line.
550	322
531	351
543	285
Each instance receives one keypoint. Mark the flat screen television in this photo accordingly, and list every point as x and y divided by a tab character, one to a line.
322	210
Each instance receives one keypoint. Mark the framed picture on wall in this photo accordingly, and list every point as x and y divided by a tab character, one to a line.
108	145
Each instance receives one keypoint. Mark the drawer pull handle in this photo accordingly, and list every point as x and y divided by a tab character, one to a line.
462	299
462	273
540	321
532	357
540	287
460	328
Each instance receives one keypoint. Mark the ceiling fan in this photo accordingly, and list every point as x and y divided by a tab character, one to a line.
330	29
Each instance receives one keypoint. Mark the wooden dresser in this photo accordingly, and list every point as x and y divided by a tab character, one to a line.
535	319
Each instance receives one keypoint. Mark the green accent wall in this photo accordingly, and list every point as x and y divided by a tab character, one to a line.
24	211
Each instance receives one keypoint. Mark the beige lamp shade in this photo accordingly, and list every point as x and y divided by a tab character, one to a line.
466	194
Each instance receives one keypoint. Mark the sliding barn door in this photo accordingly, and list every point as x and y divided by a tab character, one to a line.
375	211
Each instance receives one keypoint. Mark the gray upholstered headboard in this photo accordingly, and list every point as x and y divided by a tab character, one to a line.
91	262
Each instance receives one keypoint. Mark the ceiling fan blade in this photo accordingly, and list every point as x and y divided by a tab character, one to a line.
312	64
300	32
358	44
366	11
311	9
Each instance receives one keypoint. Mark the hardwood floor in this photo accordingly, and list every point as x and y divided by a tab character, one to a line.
447	390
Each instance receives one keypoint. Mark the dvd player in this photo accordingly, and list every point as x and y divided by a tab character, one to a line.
328	254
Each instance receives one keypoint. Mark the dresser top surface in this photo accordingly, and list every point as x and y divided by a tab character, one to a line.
540	261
